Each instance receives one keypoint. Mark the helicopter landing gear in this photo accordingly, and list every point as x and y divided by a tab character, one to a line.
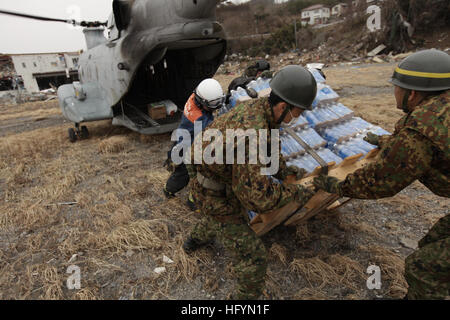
78	133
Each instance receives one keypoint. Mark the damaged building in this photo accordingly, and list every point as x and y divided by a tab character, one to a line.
38	71
8	77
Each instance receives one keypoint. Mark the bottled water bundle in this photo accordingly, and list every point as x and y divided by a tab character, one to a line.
321	116
305	161
308	163
353	147
239	95
345	130
290	147
261	86
311	137
328	156
342	111
301	123
324	95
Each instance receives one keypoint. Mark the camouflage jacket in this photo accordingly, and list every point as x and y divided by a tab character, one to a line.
246	187
418	149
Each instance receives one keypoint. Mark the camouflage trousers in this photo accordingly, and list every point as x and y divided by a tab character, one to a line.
427	270
248	250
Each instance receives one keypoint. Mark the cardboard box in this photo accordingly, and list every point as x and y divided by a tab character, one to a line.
157	111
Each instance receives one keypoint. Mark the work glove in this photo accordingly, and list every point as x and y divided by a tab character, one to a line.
299	173
327	183
372	139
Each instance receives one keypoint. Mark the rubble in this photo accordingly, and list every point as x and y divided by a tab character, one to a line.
20	96
378	60
376	51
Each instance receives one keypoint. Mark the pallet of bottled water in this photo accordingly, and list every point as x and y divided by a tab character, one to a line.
330	128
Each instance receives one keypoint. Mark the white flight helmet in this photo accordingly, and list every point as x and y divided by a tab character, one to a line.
209	94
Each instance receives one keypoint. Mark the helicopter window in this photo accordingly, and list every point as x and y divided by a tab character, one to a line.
122	12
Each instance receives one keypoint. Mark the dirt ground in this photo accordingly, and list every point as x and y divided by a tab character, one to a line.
98	204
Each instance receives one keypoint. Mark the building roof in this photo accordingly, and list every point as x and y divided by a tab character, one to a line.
39	54
314	7
341	4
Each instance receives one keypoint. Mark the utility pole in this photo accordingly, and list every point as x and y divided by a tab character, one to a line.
295	34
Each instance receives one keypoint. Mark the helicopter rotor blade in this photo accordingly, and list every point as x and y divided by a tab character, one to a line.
73	22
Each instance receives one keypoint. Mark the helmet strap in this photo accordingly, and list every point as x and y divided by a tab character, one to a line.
283	115
405	106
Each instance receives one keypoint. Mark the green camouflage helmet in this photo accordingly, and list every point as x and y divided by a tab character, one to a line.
427	70
295	85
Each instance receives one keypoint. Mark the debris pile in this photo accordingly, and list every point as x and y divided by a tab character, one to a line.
21	96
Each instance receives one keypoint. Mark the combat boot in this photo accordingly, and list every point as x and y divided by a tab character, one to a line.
168	194
190	203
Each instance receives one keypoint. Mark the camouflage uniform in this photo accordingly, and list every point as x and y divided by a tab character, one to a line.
419	149
225	212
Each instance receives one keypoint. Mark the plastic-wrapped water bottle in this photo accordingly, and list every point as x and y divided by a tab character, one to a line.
262	83
345	151
341	110
254	85
294	145
329	133
311	118
328	156
324	95
359	124
306	162
362	144
234	97
242	92
311	137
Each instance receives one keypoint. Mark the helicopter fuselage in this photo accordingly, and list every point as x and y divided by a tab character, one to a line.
156	50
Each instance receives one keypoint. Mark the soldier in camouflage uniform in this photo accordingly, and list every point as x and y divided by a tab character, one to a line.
224	192
418	149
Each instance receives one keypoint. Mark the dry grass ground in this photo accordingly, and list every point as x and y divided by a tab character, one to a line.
98	204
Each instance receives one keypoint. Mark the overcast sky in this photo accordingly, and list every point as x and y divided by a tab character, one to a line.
21	35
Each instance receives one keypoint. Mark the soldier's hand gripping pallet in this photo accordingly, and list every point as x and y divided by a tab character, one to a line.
293	214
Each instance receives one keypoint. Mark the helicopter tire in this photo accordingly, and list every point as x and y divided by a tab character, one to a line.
72	135
84	133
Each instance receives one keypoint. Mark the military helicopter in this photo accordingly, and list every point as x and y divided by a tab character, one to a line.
155	54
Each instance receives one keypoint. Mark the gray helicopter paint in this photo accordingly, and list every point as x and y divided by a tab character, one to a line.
156	26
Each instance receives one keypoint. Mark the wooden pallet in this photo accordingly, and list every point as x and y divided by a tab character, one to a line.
292	214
